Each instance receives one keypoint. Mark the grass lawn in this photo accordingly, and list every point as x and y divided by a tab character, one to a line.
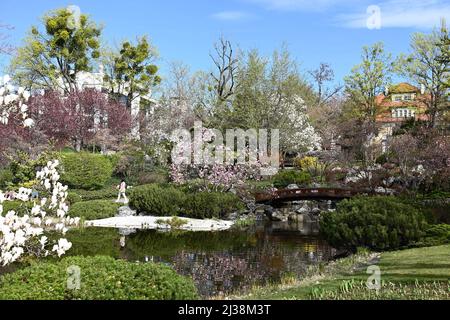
421	273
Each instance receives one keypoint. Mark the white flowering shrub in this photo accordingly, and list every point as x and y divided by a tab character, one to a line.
24	235
12	102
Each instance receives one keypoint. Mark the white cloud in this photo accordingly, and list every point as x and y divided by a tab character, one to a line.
402	14
231	15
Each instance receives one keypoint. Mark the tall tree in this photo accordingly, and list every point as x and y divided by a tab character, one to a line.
78	116
132	70
321	76
52	58
425	67
368	79
272	95
226	62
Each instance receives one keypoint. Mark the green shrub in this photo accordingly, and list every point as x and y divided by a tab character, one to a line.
109	193
85	170
211	204
156	200
95	209
102	278
436	235
73	197
6	178
20	207
286	177
165	200
379	223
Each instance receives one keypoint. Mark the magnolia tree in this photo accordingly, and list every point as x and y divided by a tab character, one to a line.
22	236
12	103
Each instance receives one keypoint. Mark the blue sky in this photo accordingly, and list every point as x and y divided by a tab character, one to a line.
315	31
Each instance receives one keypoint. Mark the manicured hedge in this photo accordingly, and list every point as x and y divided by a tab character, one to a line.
211	204
170	201
156	200
95	209
76	195
85	171
286	177
101	278
379	223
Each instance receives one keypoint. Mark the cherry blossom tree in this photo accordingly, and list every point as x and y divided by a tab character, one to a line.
79	116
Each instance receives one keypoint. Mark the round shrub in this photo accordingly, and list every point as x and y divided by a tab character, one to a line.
95	209
379	223
102	278
108	193
85	170
286	177
156	200
211	204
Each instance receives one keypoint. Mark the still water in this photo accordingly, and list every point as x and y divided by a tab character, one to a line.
218	262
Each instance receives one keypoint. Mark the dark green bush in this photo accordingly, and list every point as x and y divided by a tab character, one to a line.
380	223
165	200
109	193
437	235
155	200
286	177
85	171
95	209
6	178
211	204
102	278
73	197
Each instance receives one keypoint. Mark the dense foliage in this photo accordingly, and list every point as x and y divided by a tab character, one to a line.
286	177
156	200
102	278
169	201
211	204
85	171
95	209
380	223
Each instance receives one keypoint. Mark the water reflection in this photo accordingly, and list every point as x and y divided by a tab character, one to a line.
219	262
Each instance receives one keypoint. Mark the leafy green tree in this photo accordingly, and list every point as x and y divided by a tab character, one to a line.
272	94
131	71
425	67
52	58
368	79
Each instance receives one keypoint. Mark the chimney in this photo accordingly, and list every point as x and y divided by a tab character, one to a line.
386	91
422	89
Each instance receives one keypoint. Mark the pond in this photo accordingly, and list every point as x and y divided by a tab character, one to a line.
219	262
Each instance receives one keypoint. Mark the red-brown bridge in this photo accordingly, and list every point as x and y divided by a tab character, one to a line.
307	194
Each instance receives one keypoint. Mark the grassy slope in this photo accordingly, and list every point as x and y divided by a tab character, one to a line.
399	269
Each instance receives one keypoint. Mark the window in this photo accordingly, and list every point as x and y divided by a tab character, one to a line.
407	97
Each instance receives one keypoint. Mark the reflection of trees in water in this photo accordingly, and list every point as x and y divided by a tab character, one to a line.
219	262
219	272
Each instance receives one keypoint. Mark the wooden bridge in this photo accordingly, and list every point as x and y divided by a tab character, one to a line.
307	194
